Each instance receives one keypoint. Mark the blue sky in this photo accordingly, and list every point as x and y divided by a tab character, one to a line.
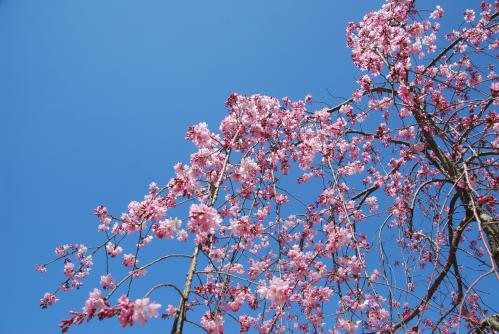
96	96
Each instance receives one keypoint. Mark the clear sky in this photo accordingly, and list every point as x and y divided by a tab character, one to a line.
95	99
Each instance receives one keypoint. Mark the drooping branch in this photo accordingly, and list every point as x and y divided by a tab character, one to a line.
178	323
438	280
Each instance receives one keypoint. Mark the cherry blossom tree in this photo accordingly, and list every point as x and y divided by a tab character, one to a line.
376	215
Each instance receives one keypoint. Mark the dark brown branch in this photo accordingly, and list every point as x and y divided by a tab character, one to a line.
443	273
395	141
350	100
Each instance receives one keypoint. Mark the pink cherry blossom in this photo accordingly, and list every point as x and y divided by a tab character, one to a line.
107	282
437	13
278	291
41	268
166	228
200	135
48	299
171	310
145	310
203	219
469	15
113	250
95	301
126	315
213	323
129	260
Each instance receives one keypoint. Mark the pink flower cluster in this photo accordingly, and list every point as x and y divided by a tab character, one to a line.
48	299
107	282
129	260
128	312
166	228
213	323
203	219
201	136
278	291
